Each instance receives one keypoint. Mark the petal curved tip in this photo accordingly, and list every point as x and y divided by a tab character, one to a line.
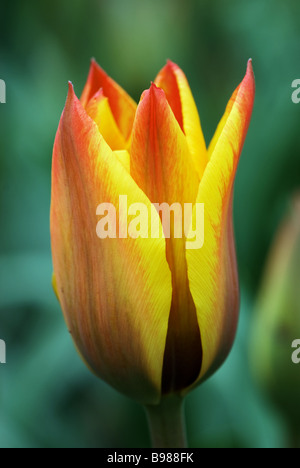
246	93
249	78
71	87
172	65
71	98
153	96
155	91
250	71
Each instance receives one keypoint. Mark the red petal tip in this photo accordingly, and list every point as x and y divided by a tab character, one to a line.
71	92
171	64
250	67
155	89
250	75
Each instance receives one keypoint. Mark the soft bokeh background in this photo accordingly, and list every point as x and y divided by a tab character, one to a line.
47	396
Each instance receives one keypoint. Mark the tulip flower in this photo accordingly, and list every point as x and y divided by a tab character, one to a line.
148	315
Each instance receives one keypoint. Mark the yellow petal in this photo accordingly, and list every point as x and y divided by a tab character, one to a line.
122	106
54	285
174	83
212	270
124	158
115	292
98	109
163	168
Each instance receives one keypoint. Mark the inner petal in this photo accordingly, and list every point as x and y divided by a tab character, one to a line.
99	110
122	106
175	84
162	166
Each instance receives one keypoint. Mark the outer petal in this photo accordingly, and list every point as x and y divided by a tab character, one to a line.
121	104
98	109
212	270
162	166
115	293
174	83
124	157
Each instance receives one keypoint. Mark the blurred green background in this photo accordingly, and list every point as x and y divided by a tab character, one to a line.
47	396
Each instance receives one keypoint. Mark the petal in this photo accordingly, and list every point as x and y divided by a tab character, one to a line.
54	285
163	168
124	158
174	83
121	104
161	163
98	109
247	84
115	293
212	270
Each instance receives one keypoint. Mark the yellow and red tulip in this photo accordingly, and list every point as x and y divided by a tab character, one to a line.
147	315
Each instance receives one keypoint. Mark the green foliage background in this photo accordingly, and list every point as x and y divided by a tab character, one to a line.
47	396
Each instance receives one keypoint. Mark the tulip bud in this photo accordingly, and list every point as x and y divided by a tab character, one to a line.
149	314
276	326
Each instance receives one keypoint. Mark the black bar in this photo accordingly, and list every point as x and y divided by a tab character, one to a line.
149	457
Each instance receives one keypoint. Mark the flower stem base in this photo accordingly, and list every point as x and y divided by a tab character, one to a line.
167	423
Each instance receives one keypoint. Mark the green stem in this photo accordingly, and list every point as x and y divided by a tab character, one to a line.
167	423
